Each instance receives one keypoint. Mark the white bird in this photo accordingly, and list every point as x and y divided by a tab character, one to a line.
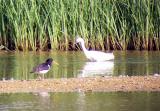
94	55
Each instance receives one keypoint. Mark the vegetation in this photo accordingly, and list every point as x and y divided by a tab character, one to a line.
105	24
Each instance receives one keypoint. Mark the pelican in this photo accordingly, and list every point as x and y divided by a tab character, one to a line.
94	55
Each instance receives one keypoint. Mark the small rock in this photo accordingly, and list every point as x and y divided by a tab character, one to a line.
12	79
121	76
3	79
156	75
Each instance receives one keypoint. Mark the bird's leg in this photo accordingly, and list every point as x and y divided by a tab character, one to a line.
39	77
43	76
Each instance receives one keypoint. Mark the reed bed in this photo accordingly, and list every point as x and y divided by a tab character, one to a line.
105	24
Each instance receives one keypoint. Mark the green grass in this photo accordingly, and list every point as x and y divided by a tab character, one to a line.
107	24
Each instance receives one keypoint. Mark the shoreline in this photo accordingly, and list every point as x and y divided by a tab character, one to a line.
89	84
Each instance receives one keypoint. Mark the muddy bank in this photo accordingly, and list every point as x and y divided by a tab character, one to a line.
96	84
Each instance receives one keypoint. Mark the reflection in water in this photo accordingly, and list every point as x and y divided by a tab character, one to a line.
43	99
7	68
17	65
118	101
81	101
42	94
97	68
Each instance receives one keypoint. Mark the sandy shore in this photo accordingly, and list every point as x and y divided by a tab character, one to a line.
96	84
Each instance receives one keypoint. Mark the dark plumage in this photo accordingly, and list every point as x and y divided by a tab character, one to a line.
43	68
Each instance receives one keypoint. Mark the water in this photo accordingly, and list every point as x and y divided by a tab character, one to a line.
141	101
17	65
73	64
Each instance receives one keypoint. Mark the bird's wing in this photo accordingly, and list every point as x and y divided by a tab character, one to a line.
100	56
40	67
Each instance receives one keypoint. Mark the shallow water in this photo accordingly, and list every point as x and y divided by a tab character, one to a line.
73	64
17	65
118	101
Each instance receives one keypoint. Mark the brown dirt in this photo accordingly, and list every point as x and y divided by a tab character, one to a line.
94	84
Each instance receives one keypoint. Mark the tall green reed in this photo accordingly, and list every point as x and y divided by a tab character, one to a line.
106	24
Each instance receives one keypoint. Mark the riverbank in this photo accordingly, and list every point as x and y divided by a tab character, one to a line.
96	84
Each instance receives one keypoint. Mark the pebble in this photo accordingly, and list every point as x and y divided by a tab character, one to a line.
156	75
90	84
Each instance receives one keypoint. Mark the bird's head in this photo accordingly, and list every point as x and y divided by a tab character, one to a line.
49	61
79	40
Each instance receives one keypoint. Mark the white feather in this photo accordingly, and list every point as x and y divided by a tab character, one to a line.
44	71
94	55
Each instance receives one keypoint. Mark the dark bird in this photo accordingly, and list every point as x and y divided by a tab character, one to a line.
43	68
